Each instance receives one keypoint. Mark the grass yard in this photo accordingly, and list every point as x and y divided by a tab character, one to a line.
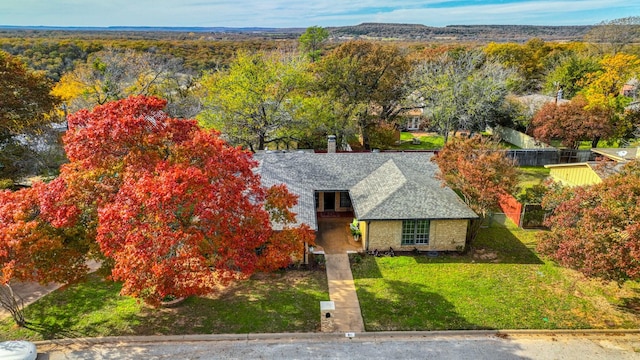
280	302
427	142
430	142
529	176
500	284
586	145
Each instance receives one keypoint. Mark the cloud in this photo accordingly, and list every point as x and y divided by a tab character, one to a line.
296	13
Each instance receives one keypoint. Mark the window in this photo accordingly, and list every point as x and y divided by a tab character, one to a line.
316	199
345	200
415	232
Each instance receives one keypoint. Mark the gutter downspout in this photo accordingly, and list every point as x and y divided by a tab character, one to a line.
367	236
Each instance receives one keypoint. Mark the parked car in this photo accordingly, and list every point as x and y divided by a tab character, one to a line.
18	350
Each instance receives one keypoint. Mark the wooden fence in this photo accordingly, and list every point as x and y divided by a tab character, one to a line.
511	208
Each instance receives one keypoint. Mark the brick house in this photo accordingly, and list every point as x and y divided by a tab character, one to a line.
395	197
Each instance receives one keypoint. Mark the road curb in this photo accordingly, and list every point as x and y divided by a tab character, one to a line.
362	336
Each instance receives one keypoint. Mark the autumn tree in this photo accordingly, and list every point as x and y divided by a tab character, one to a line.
26	109
258	101
365	82
531	61
630	124
603	87
32	249
175	209
572	123
479	174
596	229
462	91
311	41
112	74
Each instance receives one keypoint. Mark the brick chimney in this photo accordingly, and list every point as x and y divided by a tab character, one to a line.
331	144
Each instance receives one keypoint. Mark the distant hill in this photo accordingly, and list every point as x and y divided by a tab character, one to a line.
479	33
407	32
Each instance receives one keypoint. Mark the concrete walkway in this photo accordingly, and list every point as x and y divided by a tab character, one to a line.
335	240
30	292
342	291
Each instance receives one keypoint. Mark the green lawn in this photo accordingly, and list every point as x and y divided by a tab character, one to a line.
500	284
529	176
586	145
281	302
426	142
432	142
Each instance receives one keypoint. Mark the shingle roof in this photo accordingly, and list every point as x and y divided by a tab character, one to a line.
618	154
382	186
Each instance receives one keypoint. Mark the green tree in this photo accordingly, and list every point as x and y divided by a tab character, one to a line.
259	100
571	75
366	82
26	109
25	102
311	41
462	91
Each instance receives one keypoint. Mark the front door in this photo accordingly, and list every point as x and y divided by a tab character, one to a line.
329	201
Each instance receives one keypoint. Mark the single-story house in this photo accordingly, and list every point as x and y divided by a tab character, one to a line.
592	172
413	118
395	197
535	102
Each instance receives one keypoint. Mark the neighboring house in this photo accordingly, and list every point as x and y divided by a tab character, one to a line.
412	118
593	172
630	89
534	102
395	196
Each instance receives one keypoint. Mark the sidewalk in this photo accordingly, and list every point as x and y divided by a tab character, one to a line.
342	291
32	291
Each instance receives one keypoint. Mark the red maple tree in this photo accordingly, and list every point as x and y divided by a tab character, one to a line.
596	229
479	173
176	209
571	123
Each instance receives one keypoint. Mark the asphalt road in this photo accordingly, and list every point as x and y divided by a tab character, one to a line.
362	346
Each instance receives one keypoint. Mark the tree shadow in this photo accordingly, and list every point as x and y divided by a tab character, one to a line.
409	306
631	304
273	303
495	244
59	314
509	248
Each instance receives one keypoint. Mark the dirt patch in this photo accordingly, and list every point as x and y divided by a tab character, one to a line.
484	255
